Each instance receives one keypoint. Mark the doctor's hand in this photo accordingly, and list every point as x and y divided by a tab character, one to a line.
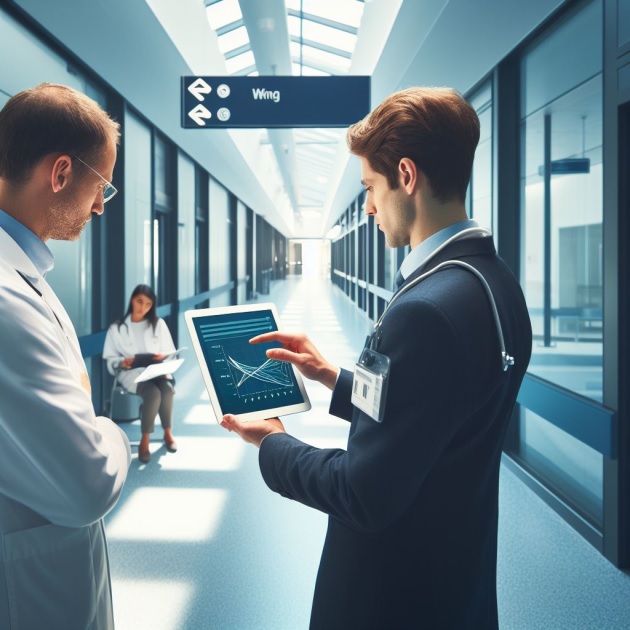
253	431
126	363
299	350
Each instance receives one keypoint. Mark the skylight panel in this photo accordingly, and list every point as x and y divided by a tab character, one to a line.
307	71
318	59
323	137
240	62
330	36
222	13
323	33
323	59
233	40
345	11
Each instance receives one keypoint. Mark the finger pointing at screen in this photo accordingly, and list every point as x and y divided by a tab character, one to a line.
299	350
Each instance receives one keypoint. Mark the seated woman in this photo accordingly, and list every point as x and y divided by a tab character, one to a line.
142	332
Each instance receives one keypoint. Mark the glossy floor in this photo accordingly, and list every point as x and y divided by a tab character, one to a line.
197	540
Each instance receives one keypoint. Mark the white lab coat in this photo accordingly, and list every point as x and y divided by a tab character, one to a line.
120	343
61	467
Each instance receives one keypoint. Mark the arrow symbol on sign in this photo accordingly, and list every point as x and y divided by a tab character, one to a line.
199	113
199	87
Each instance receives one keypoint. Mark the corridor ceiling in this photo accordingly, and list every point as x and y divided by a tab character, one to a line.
308	175
299	38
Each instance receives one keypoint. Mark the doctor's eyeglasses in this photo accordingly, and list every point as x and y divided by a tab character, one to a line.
109	190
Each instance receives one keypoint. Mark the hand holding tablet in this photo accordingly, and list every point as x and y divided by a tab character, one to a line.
239	376
252	431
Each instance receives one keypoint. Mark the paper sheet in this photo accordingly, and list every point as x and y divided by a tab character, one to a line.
158	369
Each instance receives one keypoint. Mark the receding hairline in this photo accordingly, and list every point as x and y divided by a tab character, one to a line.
64	94
58	94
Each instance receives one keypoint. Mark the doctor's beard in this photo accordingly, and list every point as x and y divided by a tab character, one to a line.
67	220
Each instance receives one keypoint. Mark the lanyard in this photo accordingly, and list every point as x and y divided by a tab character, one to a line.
506	359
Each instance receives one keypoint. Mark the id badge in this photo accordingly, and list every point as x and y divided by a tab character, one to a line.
369	387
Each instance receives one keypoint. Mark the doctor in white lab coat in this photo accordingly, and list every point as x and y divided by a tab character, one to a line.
141	331
61	468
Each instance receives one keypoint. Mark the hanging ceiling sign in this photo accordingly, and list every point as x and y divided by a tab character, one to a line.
273	102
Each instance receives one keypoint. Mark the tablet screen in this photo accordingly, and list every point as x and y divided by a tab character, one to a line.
245	380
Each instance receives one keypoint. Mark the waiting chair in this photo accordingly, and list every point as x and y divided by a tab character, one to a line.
124	406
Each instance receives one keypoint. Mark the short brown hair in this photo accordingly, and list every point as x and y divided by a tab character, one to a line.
50	118
434	127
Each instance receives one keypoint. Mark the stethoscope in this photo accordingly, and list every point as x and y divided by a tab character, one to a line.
506	360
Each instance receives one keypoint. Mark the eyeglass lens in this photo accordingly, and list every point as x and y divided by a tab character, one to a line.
108	192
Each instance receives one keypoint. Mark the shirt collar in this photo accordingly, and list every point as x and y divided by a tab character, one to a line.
420	254
30	244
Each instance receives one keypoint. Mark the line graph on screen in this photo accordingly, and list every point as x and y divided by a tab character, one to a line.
257	375
269	372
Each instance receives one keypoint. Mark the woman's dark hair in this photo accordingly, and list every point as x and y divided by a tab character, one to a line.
151	316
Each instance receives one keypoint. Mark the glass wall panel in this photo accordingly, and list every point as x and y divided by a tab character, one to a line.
219	243
346	256
164	173
352	240
32	61
202	232
165	219
479	199
361	266
566	57
562	234
623	23
390	268
561	245
573	470
241	252
137	191
186	226
562	203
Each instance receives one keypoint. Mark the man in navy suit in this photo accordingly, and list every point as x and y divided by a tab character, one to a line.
413	501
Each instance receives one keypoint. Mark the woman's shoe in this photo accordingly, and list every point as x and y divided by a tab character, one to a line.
144	456
171	446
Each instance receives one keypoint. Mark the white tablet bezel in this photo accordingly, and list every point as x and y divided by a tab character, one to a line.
263	414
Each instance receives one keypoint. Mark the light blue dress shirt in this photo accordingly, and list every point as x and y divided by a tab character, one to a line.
420	255
31	245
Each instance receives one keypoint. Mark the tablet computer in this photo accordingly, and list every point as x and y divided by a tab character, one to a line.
239	376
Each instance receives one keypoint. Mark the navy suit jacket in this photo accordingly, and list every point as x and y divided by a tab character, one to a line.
413	501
